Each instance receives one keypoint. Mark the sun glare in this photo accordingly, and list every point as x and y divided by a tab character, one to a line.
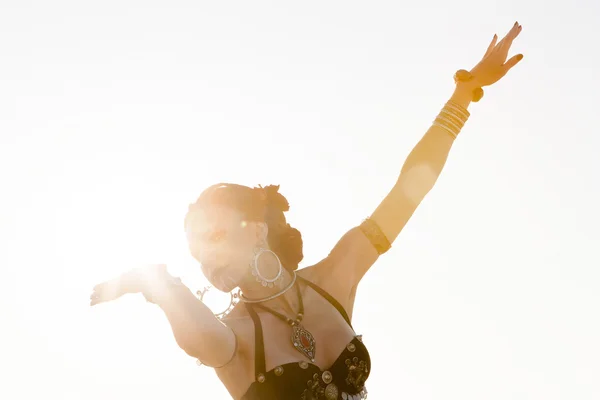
112	125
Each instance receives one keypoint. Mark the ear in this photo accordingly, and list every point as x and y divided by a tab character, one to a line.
262	231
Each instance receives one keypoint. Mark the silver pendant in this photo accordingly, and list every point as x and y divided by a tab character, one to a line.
304	342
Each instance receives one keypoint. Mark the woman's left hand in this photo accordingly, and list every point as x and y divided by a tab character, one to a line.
136	280
493	66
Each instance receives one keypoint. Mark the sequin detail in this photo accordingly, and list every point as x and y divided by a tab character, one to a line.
331	392
358	372
362	395
323	388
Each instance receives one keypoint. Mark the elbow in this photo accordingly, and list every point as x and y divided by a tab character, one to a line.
187	336
192	346
414	183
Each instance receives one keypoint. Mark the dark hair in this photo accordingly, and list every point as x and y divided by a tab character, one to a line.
259	204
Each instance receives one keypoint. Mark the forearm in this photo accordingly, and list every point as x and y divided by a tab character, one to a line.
426	161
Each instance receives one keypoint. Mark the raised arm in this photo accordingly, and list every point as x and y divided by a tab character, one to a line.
360	247
425	162
196	329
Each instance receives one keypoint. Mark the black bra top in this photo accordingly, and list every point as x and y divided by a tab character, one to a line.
345	379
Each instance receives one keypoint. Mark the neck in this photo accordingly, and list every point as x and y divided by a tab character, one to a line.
254	290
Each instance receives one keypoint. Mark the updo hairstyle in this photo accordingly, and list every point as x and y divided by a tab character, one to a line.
258	204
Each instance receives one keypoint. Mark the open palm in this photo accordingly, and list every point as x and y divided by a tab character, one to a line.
136	280
494	65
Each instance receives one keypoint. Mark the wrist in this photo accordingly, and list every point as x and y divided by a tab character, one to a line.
463	95
160	285
161	292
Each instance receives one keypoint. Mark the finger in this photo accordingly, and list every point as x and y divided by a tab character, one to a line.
99	286
504	46
516	32
103	297
95	298
512	62
93	302
105	287
507	40
106	291
491	46
509	35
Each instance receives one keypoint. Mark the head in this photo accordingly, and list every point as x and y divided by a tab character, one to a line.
229	222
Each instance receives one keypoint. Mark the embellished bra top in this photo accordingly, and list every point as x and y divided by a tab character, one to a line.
303	380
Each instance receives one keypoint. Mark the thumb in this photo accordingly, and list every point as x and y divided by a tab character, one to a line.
512	62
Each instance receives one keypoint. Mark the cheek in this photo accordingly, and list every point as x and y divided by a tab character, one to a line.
240	257
242	245
222	254
209	255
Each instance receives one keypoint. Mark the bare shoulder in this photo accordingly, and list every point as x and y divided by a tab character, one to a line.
240	322
332	279
308	273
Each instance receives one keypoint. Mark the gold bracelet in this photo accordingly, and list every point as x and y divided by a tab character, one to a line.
463	75
452	118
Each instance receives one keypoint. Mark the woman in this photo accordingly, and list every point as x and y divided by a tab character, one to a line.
242	240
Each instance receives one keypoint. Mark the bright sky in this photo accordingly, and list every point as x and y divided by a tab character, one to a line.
116	114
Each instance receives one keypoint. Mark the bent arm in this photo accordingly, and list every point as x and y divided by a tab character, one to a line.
196	329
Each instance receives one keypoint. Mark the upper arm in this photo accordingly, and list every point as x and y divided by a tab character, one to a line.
362	245
215	348
397	207
197	330
356	252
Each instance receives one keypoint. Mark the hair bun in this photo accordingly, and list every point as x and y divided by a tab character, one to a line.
290	247
274	199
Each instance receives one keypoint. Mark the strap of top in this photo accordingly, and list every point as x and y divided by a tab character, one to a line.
329	298
259	346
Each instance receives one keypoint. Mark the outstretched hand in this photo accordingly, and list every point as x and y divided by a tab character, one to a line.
137	280
494	65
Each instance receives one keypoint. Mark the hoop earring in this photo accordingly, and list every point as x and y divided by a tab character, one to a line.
266	282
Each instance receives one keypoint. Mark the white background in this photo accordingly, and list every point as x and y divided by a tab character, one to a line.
114	115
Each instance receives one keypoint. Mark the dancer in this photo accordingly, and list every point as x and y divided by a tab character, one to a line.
290	336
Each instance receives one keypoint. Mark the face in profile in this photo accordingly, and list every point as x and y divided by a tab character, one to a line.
223	242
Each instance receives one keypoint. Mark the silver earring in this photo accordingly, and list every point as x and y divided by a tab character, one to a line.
266	282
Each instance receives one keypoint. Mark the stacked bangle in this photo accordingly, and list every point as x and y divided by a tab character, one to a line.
452	118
